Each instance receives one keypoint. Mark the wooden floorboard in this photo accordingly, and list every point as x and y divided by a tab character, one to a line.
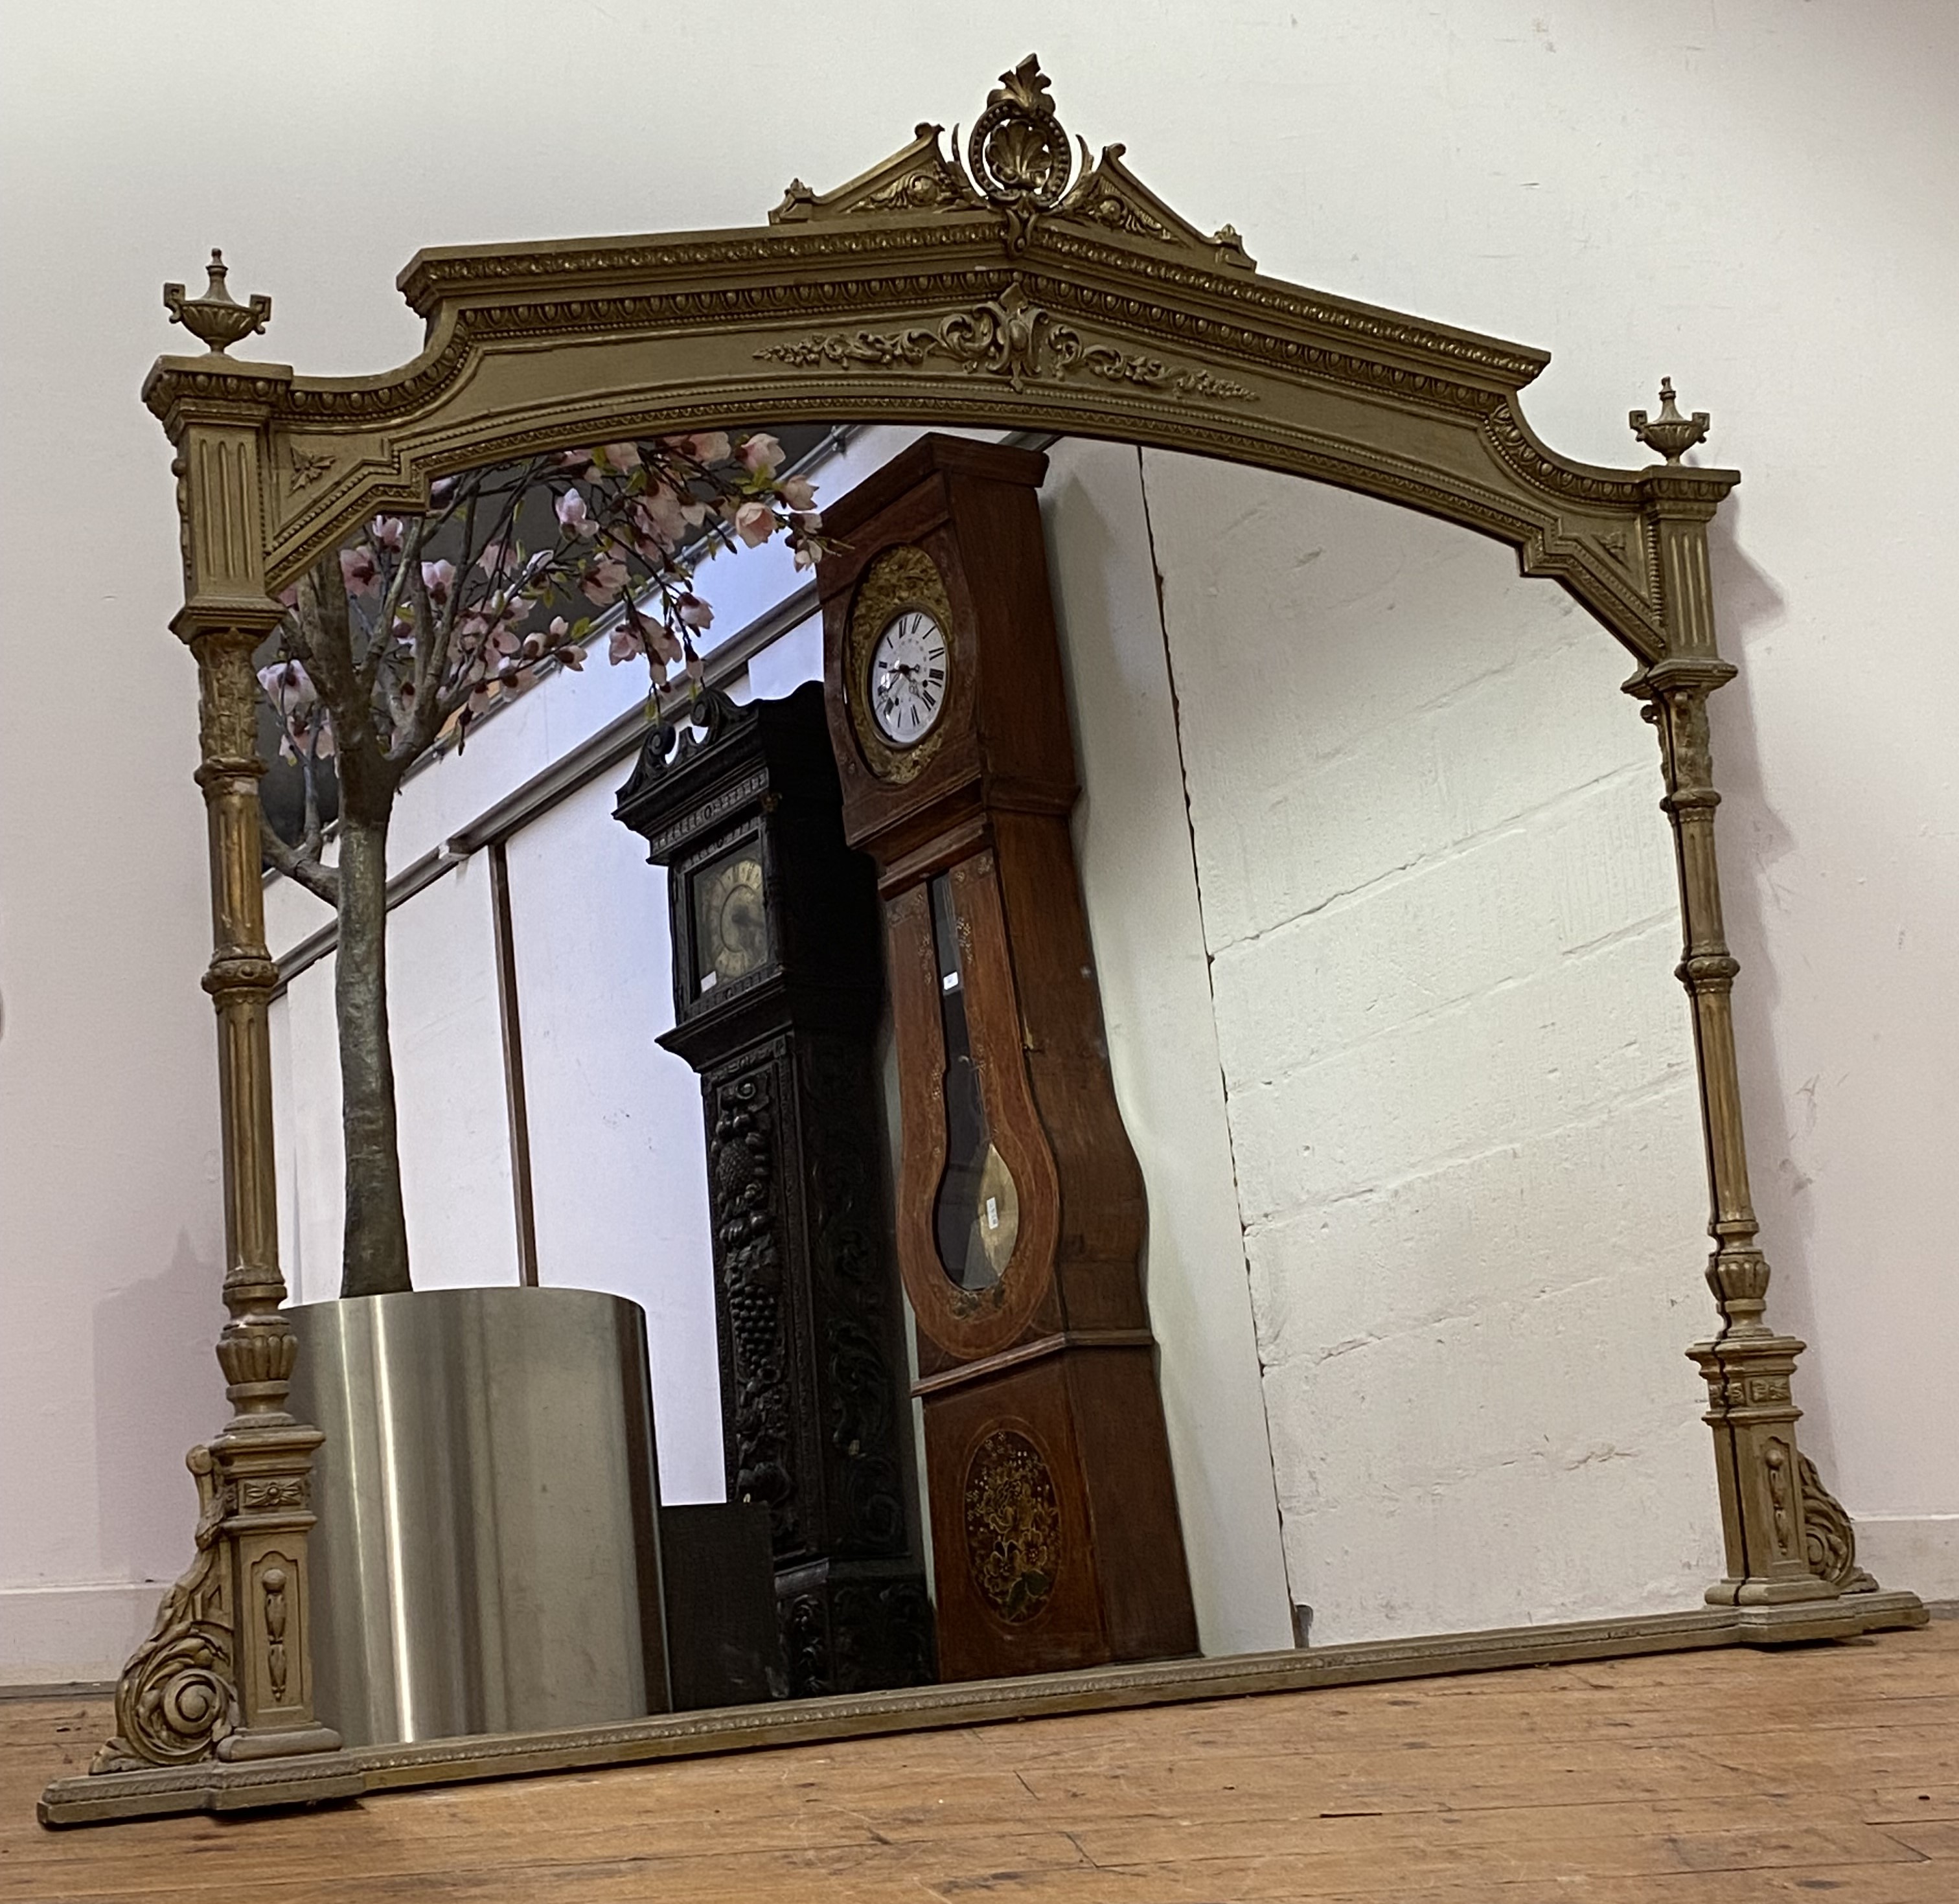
1729	1777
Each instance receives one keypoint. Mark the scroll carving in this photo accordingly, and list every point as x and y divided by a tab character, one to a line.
1012	337
1829	1539
178	1695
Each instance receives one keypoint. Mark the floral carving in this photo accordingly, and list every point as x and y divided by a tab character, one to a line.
1109	208
929	189
741	1166
308	466
1012	337
1012	1525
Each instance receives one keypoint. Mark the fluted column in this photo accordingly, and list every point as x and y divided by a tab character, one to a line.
1786	1539
226	1670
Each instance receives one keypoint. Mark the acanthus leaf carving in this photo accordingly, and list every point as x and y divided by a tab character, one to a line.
178	1695
1012	337
1829	1538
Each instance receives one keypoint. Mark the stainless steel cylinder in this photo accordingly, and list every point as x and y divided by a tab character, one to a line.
487	1554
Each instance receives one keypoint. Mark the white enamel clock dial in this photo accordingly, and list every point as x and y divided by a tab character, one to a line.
908	677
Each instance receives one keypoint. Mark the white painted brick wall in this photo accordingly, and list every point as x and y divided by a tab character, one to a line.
1438	896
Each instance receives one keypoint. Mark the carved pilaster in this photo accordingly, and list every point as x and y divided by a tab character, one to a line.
227	1672
1766	1486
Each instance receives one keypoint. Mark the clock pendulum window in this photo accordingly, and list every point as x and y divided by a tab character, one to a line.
777	990
1019	1204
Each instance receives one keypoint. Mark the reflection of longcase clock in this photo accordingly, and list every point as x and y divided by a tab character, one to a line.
1020	1211
776	991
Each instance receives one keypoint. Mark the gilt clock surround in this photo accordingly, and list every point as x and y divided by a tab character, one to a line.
1002	288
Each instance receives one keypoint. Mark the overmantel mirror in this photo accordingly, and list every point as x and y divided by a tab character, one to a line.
1009	284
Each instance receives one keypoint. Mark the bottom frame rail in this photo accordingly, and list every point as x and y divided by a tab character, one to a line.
269	1784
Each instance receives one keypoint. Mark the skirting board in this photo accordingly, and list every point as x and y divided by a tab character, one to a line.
217	1786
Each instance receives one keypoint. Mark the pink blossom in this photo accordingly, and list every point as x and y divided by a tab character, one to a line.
693	611
573	517
623	457
760	453
798	492
439	578
805	556
754	522
705	446
304	723
572	656
387	531
606	577
358	571
289	688
664	510
624	645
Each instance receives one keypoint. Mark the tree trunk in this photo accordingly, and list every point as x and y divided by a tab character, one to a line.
374	1258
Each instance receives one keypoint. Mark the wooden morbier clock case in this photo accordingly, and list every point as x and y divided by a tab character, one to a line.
1019	1204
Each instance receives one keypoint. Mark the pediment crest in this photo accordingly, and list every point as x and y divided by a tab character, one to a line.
1021	163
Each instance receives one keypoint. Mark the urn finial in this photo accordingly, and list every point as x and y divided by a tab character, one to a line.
216	318
1669	433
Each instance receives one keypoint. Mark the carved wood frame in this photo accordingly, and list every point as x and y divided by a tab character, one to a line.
1022	288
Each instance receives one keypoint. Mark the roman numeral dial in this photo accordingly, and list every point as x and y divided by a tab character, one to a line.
906	688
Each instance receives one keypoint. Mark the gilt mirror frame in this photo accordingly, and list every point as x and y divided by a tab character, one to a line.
1017	285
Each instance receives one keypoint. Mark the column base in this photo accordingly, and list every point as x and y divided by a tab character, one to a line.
294	1742
1771	1593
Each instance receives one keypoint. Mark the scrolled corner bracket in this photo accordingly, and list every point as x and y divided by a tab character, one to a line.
1829	1538
177	1700
217	319
1669	433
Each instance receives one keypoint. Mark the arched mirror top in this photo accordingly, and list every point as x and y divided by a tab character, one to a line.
1013	283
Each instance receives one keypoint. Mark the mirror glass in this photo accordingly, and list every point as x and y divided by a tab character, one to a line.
1383	918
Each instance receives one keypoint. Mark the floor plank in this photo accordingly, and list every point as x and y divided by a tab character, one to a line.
1733	1777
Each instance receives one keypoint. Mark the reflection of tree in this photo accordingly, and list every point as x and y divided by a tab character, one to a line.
391	646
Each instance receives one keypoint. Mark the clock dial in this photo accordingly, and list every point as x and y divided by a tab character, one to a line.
908	675
731	921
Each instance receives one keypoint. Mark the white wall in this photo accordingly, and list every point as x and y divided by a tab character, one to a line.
1439	900
619	1171
1753	198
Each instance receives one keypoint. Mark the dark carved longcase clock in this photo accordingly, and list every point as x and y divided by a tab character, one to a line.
777	993
1020	1213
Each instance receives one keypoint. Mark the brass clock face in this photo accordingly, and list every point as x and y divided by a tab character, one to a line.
731	921
906	687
